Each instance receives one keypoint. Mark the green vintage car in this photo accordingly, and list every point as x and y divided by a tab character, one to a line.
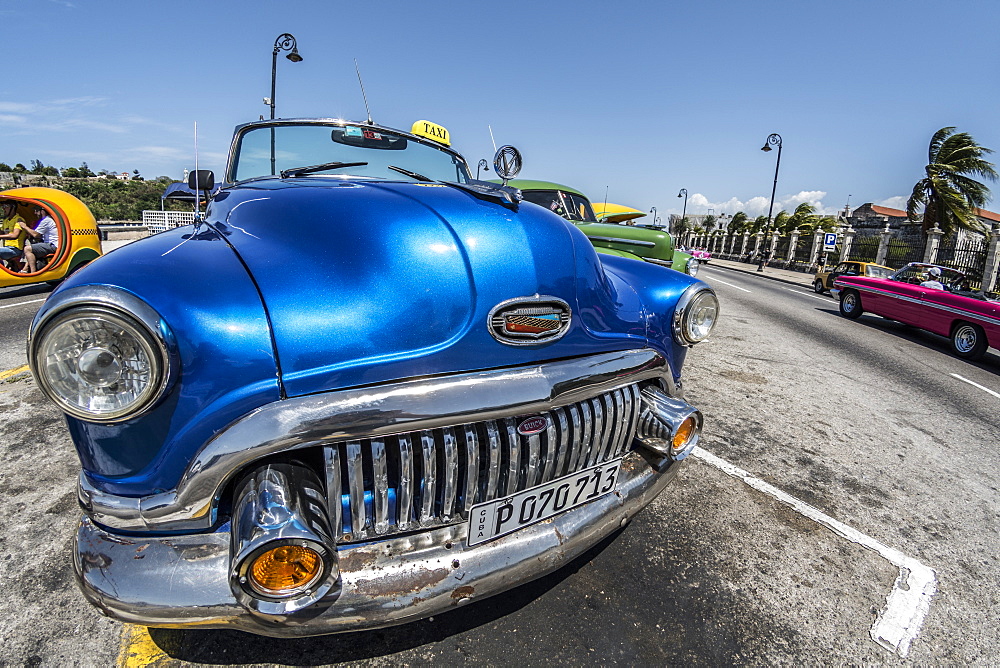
640	243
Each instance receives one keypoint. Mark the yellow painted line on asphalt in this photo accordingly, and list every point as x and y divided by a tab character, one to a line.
138	648
4	375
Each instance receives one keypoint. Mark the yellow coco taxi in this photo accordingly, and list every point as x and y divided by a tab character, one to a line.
77	243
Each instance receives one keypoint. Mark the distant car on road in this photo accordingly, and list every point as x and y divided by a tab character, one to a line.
633	241
970	319
826	277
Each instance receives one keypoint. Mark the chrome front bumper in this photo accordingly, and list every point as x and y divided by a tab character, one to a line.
182	581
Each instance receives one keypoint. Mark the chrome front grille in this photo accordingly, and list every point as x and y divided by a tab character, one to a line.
393	484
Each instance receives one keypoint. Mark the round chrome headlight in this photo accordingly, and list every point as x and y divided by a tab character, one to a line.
692	267
98	364
695	316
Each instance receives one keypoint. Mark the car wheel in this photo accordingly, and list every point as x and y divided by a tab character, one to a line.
850	304
818	286
968	341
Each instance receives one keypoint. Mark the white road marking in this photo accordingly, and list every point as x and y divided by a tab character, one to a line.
30	301
984	389
731	285
898	623
806	294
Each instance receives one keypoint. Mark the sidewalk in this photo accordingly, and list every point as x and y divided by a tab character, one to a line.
784	275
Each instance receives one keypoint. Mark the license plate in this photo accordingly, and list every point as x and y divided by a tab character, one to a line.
508	514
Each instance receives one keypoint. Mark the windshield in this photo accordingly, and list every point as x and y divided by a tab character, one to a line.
567	205
306	145
917	273
878	272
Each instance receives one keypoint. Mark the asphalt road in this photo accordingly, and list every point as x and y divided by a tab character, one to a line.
872	424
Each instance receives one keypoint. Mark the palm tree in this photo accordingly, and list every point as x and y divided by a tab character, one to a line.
738	223
948	193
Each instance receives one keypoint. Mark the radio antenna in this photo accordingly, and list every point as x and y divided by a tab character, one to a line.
492	139
363	92
197	194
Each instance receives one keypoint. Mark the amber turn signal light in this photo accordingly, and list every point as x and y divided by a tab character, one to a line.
684	434
285	570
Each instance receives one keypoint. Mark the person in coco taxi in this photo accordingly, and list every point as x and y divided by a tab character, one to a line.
10	233
44	240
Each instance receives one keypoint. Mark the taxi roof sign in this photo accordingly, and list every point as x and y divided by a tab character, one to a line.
431	131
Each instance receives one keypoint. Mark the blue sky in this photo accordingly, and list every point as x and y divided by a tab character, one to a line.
636	99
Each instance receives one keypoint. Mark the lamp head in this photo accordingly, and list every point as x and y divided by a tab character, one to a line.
294	56
765	148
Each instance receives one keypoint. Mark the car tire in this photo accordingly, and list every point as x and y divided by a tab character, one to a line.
968	341
818	287
850	304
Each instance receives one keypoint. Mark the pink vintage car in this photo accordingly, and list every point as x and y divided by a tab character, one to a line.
911	295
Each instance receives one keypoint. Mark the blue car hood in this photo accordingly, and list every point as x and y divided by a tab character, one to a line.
366	282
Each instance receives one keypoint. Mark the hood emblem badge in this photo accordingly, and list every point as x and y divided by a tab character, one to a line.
527	321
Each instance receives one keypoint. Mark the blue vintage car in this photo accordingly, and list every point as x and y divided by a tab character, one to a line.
366	388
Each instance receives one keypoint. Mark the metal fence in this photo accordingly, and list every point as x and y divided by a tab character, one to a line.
865	249
161	221
967	255
900	252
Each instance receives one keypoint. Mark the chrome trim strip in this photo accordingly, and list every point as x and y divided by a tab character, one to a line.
450	474
534	459
494	438
427	497
550	449
630	242
597	437
941	307
380	499
471	469
575	438
331	456
356	489
564	442
383	410
389	582
404	499
514	451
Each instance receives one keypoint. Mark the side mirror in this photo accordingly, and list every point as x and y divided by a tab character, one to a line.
507	163
201	179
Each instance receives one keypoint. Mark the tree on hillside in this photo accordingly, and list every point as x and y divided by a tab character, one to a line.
85	171
804	217
758	224
780	222
739	223
948	193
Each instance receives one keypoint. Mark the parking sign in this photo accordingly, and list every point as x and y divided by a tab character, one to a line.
829	242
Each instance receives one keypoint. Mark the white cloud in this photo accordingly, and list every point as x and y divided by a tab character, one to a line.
897	202
11	119
758	205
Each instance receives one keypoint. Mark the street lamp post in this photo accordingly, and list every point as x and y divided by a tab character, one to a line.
773	139
652	216
483	164
684	193
284	42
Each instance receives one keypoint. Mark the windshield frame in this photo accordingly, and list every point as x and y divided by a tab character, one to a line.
241	130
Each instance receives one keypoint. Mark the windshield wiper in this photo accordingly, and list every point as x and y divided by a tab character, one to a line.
412	175
299	171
